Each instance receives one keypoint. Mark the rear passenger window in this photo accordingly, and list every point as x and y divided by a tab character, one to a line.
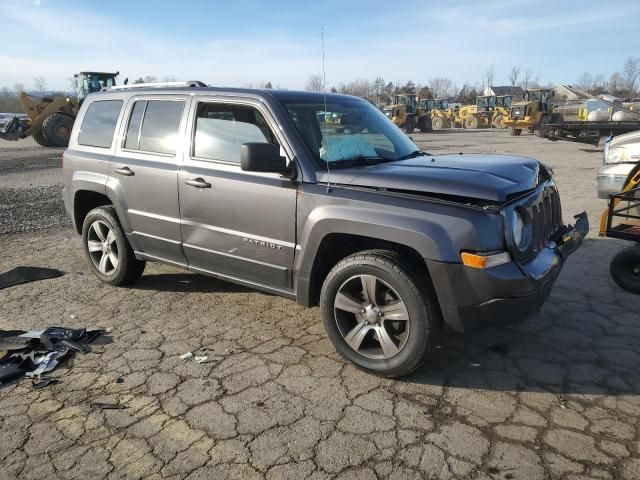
153	126
99	123
221	129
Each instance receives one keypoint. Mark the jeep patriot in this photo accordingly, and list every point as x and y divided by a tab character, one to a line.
319	198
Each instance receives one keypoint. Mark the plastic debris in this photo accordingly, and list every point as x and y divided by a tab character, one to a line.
41	351
201	359
187	355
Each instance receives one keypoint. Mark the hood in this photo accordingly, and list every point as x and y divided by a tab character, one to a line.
486	177
625	138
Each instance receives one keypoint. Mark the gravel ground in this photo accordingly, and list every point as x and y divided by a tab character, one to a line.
555	397
30	185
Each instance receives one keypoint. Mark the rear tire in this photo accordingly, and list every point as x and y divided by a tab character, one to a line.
471	122
514	132
403	311
625	269
437	123
56	128
107	249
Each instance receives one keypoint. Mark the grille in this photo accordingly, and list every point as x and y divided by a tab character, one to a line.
546	217
518	113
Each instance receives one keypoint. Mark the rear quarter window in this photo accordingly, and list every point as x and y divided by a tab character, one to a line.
99	123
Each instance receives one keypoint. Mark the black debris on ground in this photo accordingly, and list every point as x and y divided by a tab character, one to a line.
19	275
34	354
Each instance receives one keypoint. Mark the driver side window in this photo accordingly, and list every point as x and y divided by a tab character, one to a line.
221	129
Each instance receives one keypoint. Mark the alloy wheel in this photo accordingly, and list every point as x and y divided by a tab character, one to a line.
371	317
103	248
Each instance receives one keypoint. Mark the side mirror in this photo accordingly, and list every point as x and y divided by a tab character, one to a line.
262	157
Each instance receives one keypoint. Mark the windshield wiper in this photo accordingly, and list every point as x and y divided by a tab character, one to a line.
362	160
414	154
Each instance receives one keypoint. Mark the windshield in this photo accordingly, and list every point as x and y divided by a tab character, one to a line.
361	134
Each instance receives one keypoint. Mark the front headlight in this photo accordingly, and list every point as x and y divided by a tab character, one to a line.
616	155
518	229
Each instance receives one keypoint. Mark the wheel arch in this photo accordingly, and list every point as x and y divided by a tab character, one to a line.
84	201
336	246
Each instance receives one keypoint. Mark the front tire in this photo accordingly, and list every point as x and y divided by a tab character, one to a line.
40	140
409	126
378	313
425	124
514	132
107	249
471	123
56	128
437	123
625	269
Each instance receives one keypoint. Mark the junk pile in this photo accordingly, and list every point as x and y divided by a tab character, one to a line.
35	353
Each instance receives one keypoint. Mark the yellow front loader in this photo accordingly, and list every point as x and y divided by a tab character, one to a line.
51	118
534	110
408	114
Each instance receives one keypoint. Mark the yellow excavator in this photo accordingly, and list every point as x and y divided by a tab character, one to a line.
50	119
407	113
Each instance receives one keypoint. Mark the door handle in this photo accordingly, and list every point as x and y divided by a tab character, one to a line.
198	183
126	171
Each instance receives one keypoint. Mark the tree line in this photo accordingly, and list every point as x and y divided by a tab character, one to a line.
624	83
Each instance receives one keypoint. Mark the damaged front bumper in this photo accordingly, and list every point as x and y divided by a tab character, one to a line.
472	298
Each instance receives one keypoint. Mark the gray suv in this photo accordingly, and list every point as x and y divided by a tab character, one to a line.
320	199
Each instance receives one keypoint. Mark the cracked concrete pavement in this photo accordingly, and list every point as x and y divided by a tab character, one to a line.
554	397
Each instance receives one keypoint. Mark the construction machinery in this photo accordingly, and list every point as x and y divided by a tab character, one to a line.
501	111
439	111
408	113
535	109
51	118
621	219
489	110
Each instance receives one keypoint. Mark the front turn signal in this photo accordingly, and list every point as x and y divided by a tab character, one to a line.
476	260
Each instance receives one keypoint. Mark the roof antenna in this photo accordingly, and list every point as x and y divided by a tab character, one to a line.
326	131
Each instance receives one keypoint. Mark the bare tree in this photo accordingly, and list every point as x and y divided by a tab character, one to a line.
40	85
150	79
514	75
585	81
529	78
360	88
489	75
169	78
315	83
441	87
631	73
616	83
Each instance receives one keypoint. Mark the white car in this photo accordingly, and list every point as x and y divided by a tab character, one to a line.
621	154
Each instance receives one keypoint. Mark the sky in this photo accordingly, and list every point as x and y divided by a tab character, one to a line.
249	42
